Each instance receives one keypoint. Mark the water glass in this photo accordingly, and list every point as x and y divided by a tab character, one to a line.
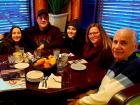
37	54
11	59
64	58
21	49
56	53
60	67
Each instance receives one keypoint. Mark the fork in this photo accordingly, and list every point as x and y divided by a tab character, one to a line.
77	61
44	84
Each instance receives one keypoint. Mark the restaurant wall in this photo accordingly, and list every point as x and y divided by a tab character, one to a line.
74	8
39	4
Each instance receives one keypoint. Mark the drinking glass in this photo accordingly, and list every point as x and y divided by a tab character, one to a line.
64	58
21	49
56	53
37	54
60	67
11	60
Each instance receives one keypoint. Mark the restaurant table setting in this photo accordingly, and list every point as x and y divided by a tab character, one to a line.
50	82
48	74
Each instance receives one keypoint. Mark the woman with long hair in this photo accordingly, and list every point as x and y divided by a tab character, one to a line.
98	46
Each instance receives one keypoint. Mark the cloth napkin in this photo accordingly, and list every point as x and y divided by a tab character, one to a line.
52	82
78	61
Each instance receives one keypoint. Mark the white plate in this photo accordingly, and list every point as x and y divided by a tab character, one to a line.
78	66
35	76
21	65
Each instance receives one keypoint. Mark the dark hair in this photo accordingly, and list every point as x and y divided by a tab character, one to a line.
77	24
11	30
42	11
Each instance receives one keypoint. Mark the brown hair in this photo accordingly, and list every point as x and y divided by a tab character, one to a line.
106	41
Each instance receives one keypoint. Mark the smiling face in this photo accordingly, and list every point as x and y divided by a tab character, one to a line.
16	34
94	35
124	44
43	21
71	31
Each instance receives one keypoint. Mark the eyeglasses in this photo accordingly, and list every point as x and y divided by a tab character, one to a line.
93	33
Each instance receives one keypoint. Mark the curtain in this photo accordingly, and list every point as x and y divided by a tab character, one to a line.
39	4
75	9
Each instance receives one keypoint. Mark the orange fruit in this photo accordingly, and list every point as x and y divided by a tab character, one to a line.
52	60
47	61
35	64
47	65
40	62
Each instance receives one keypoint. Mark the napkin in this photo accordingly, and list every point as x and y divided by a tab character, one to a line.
78	61
41	85
52	82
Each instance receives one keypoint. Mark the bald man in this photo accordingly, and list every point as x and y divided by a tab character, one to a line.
123	73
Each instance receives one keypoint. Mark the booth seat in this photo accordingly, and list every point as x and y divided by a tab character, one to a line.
128	96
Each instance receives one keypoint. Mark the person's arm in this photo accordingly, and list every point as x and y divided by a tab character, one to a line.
106	91
40	47
111	85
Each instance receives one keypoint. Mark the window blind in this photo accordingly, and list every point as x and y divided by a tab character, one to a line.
14	12
116	14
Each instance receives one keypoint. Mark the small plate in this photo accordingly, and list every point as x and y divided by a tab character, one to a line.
78	66
35	76
21	65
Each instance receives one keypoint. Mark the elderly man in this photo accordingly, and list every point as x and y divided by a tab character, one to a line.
43	33
123	73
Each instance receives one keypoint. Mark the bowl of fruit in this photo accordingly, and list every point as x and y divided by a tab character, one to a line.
45	64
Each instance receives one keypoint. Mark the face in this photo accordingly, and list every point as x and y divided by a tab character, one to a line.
123	45
71	31
43	21
16	34
94	35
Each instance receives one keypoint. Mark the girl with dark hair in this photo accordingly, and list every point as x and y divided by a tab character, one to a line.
15	39
74	38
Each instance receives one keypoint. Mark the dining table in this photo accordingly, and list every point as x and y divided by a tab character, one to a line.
73	81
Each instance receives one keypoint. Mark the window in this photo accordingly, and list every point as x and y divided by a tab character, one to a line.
14	12
116	14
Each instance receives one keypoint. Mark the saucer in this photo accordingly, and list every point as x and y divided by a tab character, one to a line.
78	66
35	76
21	65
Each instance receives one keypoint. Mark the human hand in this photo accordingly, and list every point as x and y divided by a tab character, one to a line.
74	102
1	36
40	47
77	102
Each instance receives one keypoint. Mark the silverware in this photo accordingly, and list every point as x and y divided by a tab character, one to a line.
77	61
44	84
61	82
